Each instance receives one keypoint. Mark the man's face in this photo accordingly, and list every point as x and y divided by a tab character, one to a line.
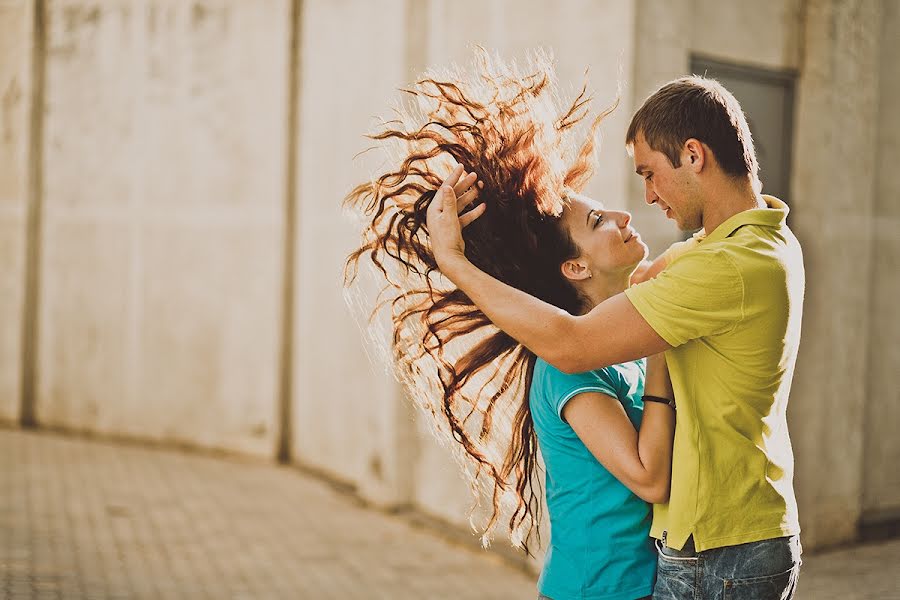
672	189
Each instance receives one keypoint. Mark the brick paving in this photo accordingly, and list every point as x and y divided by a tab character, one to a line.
869	572
95	519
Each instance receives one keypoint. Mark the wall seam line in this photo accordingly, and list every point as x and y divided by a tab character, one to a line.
34	221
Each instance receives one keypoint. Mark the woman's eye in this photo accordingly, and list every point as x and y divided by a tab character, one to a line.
599	218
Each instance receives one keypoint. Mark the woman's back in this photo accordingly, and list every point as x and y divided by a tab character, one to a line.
599	540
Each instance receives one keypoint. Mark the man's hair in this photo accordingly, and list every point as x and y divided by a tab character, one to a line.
700	108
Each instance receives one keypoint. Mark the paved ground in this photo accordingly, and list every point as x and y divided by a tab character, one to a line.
91	519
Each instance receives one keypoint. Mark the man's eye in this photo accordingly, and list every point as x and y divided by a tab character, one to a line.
599	218
649	177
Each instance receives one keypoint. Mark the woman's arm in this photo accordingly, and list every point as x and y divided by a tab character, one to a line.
567	342
641	460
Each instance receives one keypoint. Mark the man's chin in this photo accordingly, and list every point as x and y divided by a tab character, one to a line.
688	227
681	224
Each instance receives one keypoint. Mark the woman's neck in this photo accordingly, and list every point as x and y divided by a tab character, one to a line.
598	289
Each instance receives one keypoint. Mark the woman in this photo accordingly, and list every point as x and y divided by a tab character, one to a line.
488	394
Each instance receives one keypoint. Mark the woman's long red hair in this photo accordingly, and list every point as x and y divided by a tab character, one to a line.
504	123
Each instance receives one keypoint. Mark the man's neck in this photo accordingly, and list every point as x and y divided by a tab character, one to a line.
726	199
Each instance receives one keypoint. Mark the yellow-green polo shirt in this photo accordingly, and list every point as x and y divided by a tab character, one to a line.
730	307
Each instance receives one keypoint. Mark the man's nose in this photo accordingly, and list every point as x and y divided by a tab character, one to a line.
650	196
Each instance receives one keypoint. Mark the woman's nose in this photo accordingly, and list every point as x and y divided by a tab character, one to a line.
623	218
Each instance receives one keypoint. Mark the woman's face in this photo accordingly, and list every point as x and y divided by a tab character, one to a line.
609	245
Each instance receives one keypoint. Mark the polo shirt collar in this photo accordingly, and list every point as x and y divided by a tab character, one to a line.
774	215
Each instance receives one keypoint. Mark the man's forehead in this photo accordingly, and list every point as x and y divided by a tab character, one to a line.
639	145
642	155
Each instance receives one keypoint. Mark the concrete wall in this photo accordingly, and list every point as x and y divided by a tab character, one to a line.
16	38
833	198
163	191
350	419
881	478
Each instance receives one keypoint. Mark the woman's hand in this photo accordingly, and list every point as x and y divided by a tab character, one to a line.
648	270
641	273
445	224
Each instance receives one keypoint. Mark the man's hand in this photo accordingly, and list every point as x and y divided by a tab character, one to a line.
445	225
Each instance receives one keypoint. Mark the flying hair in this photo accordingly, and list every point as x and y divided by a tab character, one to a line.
506	123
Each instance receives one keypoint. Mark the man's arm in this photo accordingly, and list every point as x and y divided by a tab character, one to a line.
613	332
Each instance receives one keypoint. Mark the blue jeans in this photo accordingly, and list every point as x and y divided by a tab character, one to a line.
765	570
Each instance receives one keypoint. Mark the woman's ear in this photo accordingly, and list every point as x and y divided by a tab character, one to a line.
574	270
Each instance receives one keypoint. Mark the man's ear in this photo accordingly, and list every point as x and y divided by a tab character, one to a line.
693	154
574	270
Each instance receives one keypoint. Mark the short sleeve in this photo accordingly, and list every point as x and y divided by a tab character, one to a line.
701	295
562	387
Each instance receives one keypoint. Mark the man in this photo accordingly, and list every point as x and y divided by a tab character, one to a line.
726	312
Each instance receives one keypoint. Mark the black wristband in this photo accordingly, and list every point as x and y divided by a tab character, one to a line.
660	400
